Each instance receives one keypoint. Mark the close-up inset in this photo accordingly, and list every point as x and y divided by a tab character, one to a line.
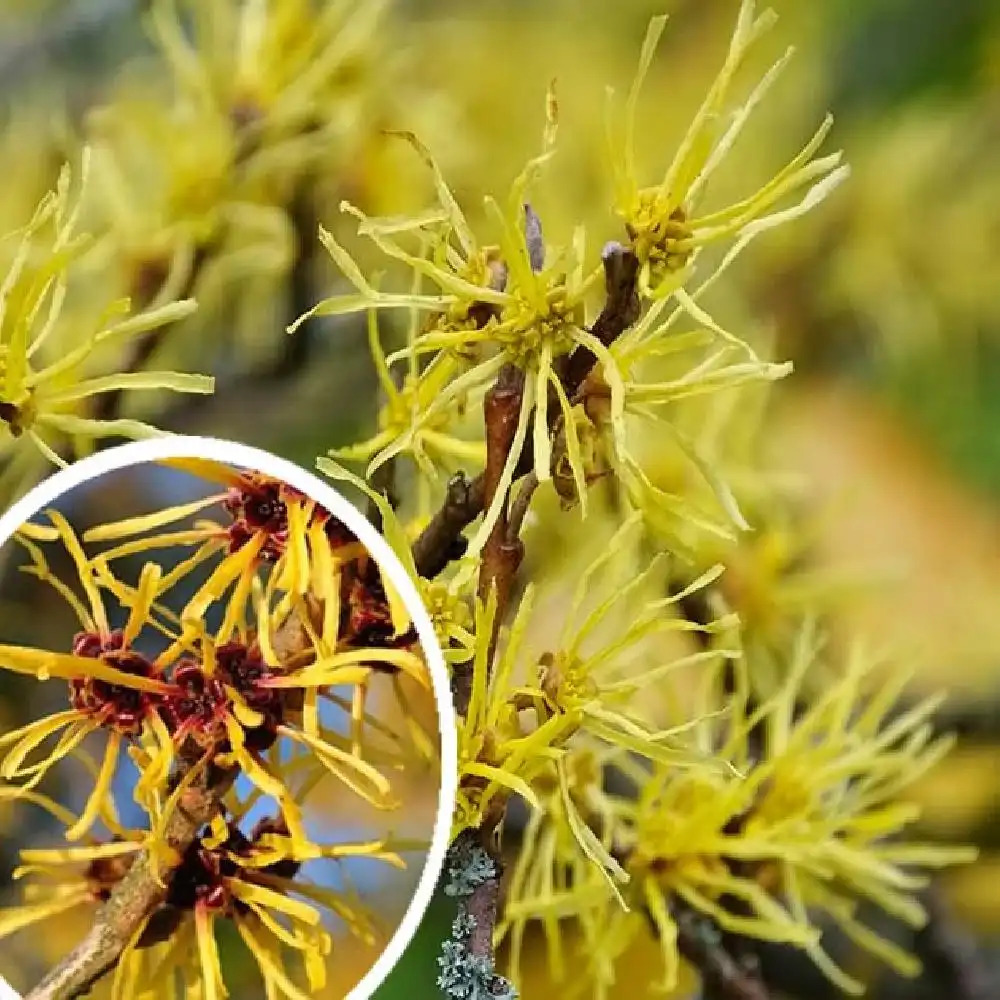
225	773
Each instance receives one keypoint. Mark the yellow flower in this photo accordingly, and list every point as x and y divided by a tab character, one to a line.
237	696
700	363
808	820
496	757
268	70
550	865
255	88
202	155
112	686
306	544
223	698
664	222
48	359
71	877
516	303
452	617
829	804
402	424
448	602
595	689
573	696
238	691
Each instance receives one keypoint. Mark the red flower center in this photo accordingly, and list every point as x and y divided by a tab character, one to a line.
365	615
198	709
261	504
119	707
200	879
243	668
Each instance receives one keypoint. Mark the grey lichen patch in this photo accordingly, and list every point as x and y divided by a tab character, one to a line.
466	960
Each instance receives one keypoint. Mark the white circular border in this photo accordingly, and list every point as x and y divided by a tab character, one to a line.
254	459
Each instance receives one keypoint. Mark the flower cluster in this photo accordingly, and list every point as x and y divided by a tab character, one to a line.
254	704
206	160
518	301
804	827
249	879
638	695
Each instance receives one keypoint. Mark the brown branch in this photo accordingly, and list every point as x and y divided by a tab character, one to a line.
501	558
723	976
441	541
622	307
950	955
519	509
953	965
974	721
483	905
501	555
135	898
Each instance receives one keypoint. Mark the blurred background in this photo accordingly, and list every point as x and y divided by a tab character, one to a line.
886	298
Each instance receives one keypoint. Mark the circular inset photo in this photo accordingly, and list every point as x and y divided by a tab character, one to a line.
230	771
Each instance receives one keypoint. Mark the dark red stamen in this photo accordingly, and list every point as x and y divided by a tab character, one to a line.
119	707
365	616
198	709
259	503
244	669
200	878
275	825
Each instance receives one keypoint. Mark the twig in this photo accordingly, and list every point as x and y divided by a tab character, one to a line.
501	554
471	948
134	898
467	965
723	976
468	962
519	509
974	721
468	957
621	309
950	955
441	541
